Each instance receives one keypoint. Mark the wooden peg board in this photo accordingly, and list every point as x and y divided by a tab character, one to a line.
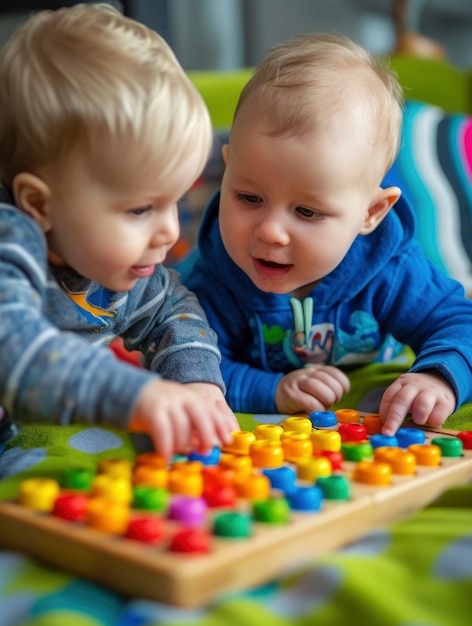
153	572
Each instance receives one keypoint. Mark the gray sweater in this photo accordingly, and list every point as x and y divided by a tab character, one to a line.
55	324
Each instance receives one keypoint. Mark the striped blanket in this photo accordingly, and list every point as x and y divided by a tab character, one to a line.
434	171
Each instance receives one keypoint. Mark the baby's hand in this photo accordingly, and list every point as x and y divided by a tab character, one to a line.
427	396
312	388
179	417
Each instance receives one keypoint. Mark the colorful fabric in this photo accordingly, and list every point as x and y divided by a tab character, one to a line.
415	572
434	171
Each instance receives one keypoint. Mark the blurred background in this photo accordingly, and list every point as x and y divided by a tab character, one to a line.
229	34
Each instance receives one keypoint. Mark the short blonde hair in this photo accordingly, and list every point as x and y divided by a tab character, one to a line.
75	77
304	80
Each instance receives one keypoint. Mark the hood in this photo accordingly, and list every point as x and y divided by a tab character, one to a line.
364	260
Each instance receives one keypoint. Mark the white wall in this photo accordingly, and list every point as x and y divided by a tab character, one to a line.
260	24
226	34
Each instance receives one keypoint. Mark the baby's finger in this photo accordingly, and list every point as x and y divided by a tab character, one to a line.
162	438
181	430
324	387
204	428
225	423
395	406
340	376
422	407
310	403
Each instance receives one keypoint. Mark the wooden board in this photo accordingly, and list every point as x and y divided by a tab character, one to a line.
152	571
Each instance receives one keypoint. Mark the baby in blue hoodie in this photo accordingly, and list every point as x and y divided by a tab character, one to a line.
307	263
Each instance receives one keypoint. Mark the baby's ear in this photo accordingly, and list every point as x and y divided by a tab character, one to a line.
32	196
383	201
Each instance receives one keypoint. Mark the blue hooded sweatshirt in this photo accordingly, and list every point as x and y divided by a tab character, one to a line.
384	294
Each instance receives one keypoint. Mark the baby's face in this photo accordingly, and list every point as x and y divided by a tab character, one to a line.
115	227
291	206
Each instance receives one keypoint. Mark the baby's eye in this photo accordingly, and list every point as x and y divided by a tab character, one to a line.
249	198
140	210
308	213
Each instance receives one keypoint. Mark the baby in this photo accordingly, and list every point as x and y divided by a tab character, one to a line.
307	263
101	133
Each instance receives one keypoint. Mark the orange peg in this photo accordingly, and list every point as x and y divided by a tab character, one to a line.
296	444
254	487
187	483
426	454
372	473
373	424
109	516
401	461
266	453
347	416
189	467
153	476
240	465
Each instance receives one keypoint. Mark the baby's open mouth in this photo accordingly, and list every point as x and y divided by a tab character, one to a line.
271	263
271	270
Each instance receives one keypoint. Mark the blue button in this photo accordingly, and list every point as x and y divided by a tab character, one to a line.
305	498
409	436
378	441
211	458
281	477
323	419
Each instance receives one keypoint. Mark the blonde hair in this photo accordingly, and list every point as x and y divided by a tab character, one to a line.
79	76
303	81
